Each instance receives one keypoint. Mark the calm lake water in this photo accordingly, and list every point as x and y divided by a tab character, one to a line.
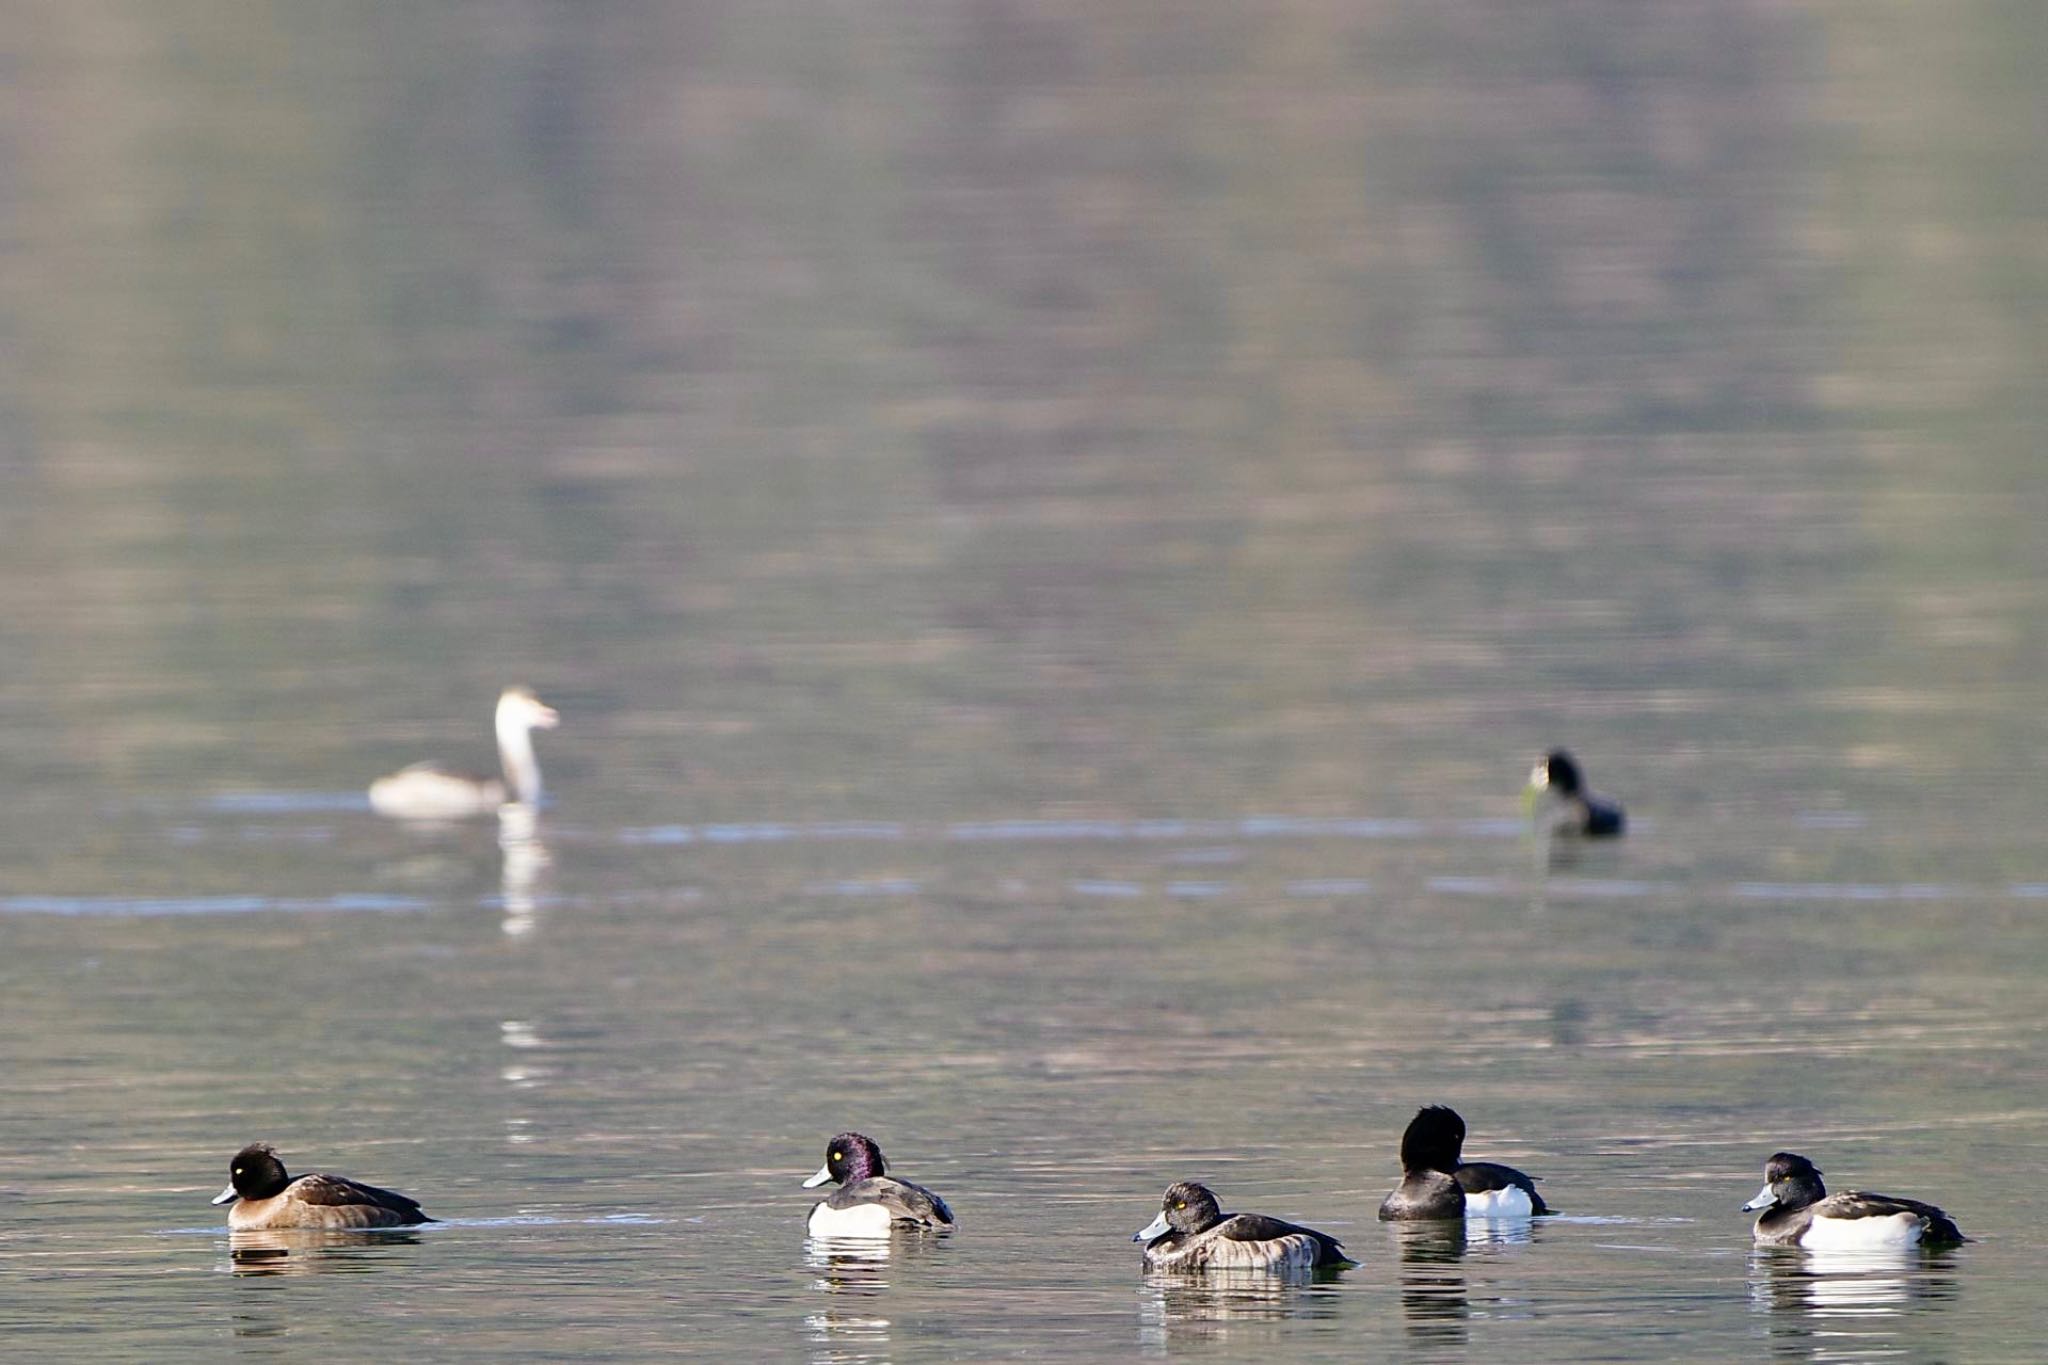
1056	532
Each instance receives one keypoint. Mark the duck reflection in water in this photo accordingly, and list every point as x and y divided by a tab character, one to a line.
1851	1283
524	1068
524	869
1846	1304
312	1251
1434	1300
1230	1306
1435	1293
854	1274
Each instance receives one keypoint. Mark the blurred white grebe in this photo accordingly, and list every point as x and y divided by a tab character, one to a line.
427	791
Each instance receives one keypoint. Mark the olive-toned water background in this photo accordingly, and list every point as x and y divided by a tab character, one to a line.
1056	531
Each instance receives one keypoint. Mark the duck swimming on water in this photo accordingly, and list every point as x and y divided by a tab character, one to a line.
869	1202
1437	1181
427	791
1560	804
261	1194
1192	1233
1796	1210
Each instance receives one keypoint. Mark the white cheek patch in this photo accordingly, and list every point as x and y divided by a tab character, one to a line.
1862	1234
1512	1202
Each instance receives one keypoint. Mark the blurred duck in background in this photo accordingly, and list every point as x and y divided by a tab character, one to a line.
1559	803
428	791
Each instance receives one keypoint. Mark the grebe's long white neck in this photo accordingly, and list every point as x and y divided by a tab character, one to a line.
520	713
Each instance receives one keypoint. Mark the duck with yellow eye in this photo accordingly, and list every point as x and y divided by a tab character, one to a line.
1797	1211
1192	1233
868	1203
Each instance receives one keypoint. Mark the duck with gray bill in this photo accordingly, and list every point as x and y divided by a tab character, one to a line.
1192	1233
263	1195
1437	1181
1559	803
869	1202
1796	1210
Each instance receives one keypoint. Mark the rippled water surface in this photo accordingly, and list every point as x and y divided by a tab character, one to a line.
1056	532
